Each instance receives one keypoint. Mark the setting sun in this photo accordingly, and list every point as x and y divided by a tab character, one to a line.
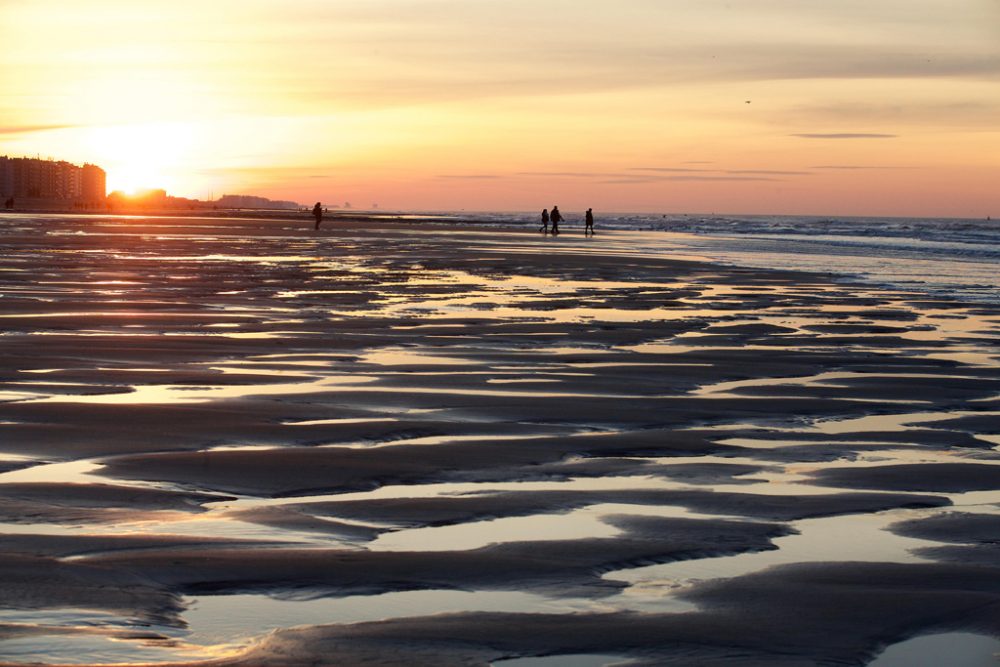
142	156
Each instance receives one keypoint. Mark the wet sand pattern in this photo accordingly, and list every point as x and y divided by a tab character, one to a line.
246	443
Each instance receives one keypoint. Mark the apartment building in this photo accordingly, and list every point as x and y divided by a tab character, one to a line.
32	179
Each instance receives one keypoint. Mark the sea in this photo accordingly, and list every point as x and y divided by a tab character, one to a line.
938	257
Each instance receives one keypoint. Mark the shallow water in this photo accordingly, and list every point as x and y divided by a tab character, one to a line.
855	538
219	619
85	650
589	660
955	649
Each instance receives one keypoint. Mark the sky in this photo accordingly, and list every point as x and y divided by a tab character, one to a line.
842	107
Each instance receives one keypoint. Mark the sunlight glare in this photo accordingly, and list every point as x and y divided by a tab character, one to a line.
141	156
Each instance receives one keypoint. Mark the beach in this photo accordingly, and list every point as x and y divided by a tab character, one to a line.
245	442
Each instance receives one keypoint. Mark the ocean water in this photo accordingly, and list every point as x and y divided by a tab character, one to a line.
941	257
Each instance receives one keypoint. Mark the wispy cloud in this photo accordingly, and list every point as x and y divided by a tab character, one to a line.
473	177
637	175
705	178
13	130
566	174
638	180
721	178
642	175
671	170
767	172
852	167
963	112
844	135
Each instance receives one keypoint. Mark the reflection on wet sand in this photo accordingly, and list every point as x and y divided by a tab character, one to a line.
211	431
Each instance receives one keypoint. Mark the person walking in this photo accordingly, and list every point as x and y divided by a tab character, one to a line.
555	218
589	226
544	229
318	214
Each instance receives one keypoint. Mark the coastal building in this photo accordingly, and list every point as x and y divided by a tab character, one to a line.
93	185
51	182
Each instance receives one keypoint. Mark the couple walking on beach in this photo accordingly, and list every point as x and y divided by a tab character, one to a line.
556	217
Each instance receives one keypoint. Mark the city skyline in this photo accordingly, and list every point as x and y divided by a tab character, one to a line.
53	181
768	106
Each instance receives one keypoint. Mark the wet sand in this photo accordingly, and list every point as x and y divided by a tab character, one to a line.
243	442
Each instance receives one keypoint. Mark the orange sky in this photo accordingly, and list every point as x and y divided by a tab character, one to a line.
755	106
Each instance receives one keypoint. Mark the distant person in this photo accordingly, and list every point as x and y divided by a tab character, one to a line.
9	203
544	229
589	226
318	213
555	217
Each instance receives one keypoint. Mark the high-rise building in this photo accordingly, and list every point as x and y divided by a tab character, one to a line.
53	181
93	184
6	177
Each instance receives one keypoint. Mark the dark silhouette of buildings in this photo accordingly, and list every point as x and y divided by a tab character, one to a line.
251	201
157	199
33	181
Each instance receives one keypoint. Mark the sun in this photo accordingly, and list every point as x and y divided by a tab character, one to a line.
142	156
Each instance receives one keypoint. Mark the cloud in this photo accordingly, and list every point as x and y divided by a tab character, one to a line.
790	61
844	135
852	167
721	178
634	175
670	170
303	171
12	130
903	111
638	175
688	174
391	53
630	181
566	174
767	172
469	176
407	71
706	178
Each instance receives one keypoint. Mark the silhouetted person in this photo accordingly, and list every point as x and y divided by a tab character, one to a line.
318	214
544	229
589	226
556	218
9	203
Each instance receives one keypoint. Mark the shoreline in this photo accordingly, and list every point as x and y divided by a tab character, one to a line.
916	271
306	214
371	224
